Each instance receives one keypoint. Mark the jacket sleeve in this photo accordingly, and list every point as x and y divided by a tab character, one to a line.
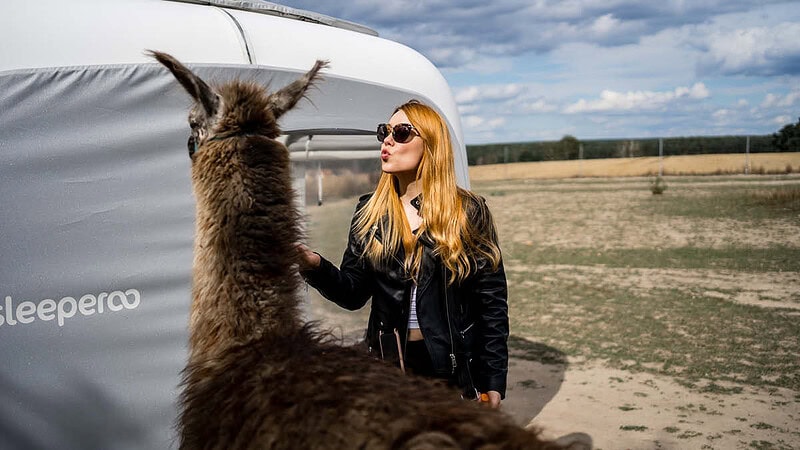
351	284
490	297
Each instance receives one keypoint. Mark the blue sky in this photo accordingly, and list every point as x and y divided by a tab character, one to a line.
528	70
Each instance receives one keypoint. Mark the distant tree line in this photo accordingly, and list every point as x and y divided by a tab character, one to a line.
787	139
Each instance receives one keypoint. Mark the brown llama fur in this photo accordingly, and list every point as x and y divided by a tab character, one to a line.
257	377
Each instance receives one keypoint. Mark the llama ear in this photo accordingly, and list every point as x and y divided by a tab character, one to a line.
193	84
285	99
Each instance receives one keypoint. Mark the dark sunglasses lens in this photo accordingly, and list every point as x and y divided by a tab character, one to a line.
383	131
402	133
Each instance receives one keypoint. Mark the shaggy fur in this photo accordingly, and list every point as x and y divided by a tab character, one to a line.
257	377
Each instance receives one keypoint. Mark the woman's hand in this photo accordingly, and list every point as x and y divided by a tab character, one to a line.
491	398
306	259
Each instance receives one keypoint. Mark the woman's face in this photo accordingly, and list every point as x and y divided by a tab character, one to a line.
399	159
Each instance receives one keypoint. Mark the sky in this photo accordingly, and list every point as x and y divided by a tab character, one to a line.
533	70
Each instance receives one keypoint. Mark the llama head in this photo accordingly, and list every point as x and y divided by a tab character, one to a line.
235	108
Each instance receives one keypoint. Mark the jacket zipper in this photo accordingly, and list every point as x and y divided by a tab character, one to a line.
464	331
449	326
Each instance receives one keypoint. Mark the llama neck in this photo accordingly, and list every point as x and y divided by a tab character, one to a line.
245	277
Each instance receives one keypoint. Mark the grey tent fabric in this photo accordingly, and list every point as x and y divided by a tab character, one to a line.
96	229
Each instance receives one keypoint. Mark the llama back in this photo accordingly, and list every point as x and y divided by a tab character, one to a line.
304	391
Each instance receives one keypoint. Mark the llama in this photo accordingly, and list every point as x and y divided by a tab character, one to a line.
257	377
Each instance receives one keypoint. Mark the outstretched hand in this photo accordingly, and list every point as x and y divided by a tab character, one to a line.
491	399
307	259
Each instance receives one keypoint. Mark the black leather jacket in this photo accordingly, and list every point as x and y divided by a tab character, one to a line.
476	334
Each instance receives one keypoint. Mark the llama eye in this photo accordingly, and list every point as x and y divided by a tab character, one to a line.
192	144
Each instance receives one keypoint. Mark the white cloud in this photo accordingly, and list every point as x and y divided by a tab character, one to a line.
473	94
605	24
495	123
770	100
721	114
537	106
782	120
777	101
472	121
725	116
485	65
478	123
452	56
466	110
754	51
697	91
637	100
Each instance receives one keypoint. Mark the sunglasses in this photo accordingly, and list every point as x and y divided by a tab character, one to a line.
402	133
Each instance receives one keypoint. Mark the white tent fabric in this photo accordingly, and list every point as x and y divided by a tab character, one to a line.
97	214
97	230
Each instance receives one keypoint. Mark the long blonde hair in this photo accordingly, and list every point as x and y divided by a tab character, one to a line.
458	241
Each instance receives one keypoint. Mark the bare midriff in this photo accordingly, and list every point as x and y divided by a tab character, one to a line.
415	334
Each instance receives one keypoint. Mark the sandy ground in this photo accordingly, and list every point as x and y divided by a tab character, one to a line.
623	410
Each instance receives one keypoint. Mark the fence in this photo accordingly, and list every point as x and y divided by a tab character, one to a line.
570	148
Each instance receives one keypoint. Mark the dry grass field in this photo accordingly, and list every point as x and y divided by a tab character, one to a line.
647	321
760	163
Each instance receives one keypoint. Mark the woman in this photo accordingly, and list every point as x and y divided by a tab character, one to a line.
426	252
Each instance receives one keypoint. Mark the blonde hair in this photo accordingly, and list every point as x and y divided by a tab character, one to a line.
458	240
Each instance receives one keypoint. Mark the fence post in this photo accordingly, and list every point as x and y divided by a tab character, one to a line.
580	160
660	157
505	161
747	157
319	183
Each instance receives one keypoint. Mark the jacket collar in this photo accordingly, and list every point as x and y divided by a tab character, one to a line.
425	238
